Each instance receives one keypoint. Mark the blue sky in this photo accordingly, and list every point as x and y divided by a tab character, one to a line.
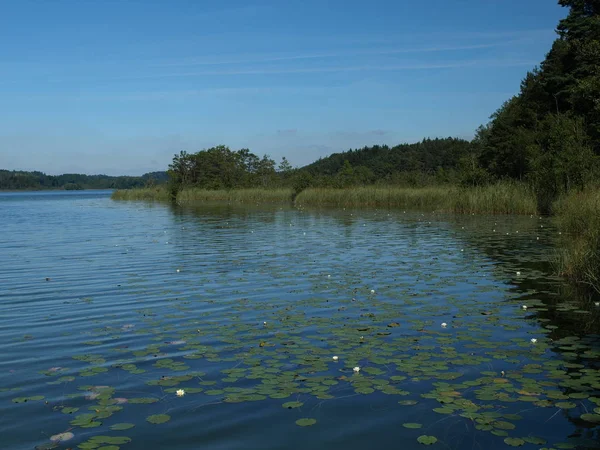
119	86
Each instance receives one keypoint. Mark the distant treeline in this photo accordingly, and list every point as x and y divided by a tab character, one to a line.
20	180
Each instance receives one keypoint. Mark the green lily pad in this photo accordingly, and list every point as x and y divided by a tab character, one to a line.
121	426
305	422
412	425
592	418
292	405
427	440
142	400
514	442
158	418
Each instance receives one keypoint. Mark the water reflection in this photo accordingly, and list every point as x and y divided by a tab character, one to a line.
146	293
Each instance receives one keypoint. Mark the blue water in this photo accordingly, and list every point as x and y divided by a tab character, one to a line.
113	283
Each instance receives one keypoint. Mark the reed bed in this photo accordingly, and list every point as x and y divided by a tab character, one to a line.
500	198
578	216
195	195
155	193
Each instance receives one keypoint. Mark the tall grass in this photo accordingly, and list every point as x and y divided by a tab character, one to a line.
500	198
195	195
154	193
578	216
375	196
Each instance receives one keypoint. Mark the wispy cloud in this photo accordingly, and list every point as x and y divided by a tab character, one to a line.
333	69
321	55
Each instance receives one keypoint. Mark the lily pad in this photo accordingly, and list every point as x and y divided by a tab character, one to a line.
305	422
158	418
427	440
292	405
121	426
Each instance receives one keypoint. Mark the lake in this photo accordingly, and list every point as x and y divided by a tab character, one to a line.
287	328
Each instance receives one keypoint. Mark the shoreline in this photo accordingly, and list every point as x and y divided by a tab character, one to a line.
500	198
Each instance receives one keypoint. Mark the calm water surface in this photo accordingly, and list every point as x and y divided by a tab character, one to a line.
108	308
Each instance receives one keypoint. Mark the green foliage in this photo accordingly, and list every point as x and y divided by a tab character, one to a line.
563	160
388	164
550	132
219	168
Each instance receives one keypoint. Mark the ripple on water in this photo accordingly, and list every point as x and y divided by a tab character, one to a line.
369	287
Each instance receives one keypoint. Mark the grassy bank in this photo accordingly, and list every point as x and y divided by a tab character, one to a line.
578	215
194	195
155	193
501	198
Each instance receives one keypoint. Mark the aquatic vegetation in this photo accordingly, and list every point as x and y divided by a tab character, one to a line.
253	196
500	198
62	437
443	346
578	216
160	193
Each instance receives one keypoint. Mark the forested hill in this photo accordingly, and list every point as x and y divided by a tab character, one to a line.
21	180
380	162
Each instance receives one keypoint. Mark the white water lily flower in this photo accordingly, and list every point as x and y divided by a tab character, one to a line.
518	273
524	306
180	392
597	304
62	437
335	358
372	291
444	324
533	340
356	369
178	270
